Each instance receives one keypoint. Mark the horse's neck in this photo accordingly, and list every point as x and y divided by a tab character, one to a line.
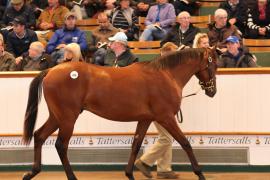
182	73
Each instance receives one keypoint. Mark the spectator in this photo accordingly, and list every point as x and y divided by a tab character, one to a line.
19	40
100	35
87	8
19	8
7	60
38	6
118	54
72	52
258	25
123	17
35	60
52	17
3	5
143	7
201	40
161	151
220	30
235	56
183	32
159	19
237	13
191	6
66	35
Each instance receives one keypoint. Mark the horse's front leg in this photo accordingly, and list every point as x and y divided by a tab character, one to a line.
141	130
171	126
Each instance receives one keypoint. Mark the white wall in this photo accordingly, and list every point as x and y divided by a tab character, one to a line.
241	105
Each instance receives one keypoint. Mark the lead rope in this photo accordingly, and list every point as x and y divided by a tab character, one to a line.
179	113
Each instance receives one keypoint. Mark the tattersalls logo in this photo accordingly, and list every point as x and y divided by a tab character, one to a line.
245	140
126	141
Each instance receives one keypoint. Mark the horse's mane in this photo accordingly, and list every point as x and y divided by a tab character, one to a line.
173	59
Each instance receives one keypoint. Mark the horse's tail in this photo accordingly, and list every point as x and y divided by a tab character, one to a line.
34	96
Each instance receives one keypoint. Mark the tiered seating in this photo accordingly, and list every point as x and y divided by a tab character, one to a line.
261	49
201	22
146	51
208	6
87	24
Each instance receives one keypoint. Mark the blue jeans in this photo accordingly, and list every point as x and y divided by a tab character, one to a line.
151	33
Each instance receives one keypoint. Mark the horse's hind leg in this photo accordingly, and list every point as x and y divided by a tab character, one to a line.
171	126
141	130
39	138
64	135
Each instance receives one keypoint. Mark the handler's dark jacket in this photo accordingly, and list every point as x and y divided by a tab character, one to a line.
39	64
7	62
178	38
125	59
244	59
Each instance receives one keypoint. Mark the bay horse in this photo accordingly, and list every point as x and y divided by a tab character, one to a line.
143	92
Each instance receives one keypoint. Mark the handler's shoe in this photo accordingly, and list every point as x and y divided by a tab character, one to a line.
144	168
167	175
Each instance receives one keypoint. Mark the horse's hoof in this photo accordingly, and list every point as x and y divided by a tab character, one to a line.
201	177
26	176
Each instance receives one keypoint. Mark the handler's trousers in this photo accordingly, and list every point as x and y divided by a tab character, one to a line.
161	151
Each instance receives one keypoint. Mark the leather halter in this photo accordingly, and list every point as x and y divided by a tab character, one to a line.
208	85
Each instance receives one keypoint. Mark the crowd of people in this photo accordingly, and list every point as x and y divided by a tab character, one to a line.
24	23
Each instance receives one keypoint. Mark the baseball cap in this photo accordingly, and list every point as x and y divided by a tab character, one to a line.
119	37
232	39
18	20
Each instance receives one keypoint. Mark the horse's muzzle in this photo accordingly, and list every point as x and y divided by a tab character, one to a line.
211	93
209	87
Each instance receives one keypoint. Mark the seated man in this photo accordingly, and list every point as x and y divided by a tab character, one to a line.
66	35
158	21
19	40
221	29
235	56
35	60
52	17
237	13
19	8
118	54
183	32
7	60
100	35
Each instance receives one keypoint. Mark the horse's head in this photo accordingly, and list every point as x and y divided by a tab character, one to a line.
207	72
